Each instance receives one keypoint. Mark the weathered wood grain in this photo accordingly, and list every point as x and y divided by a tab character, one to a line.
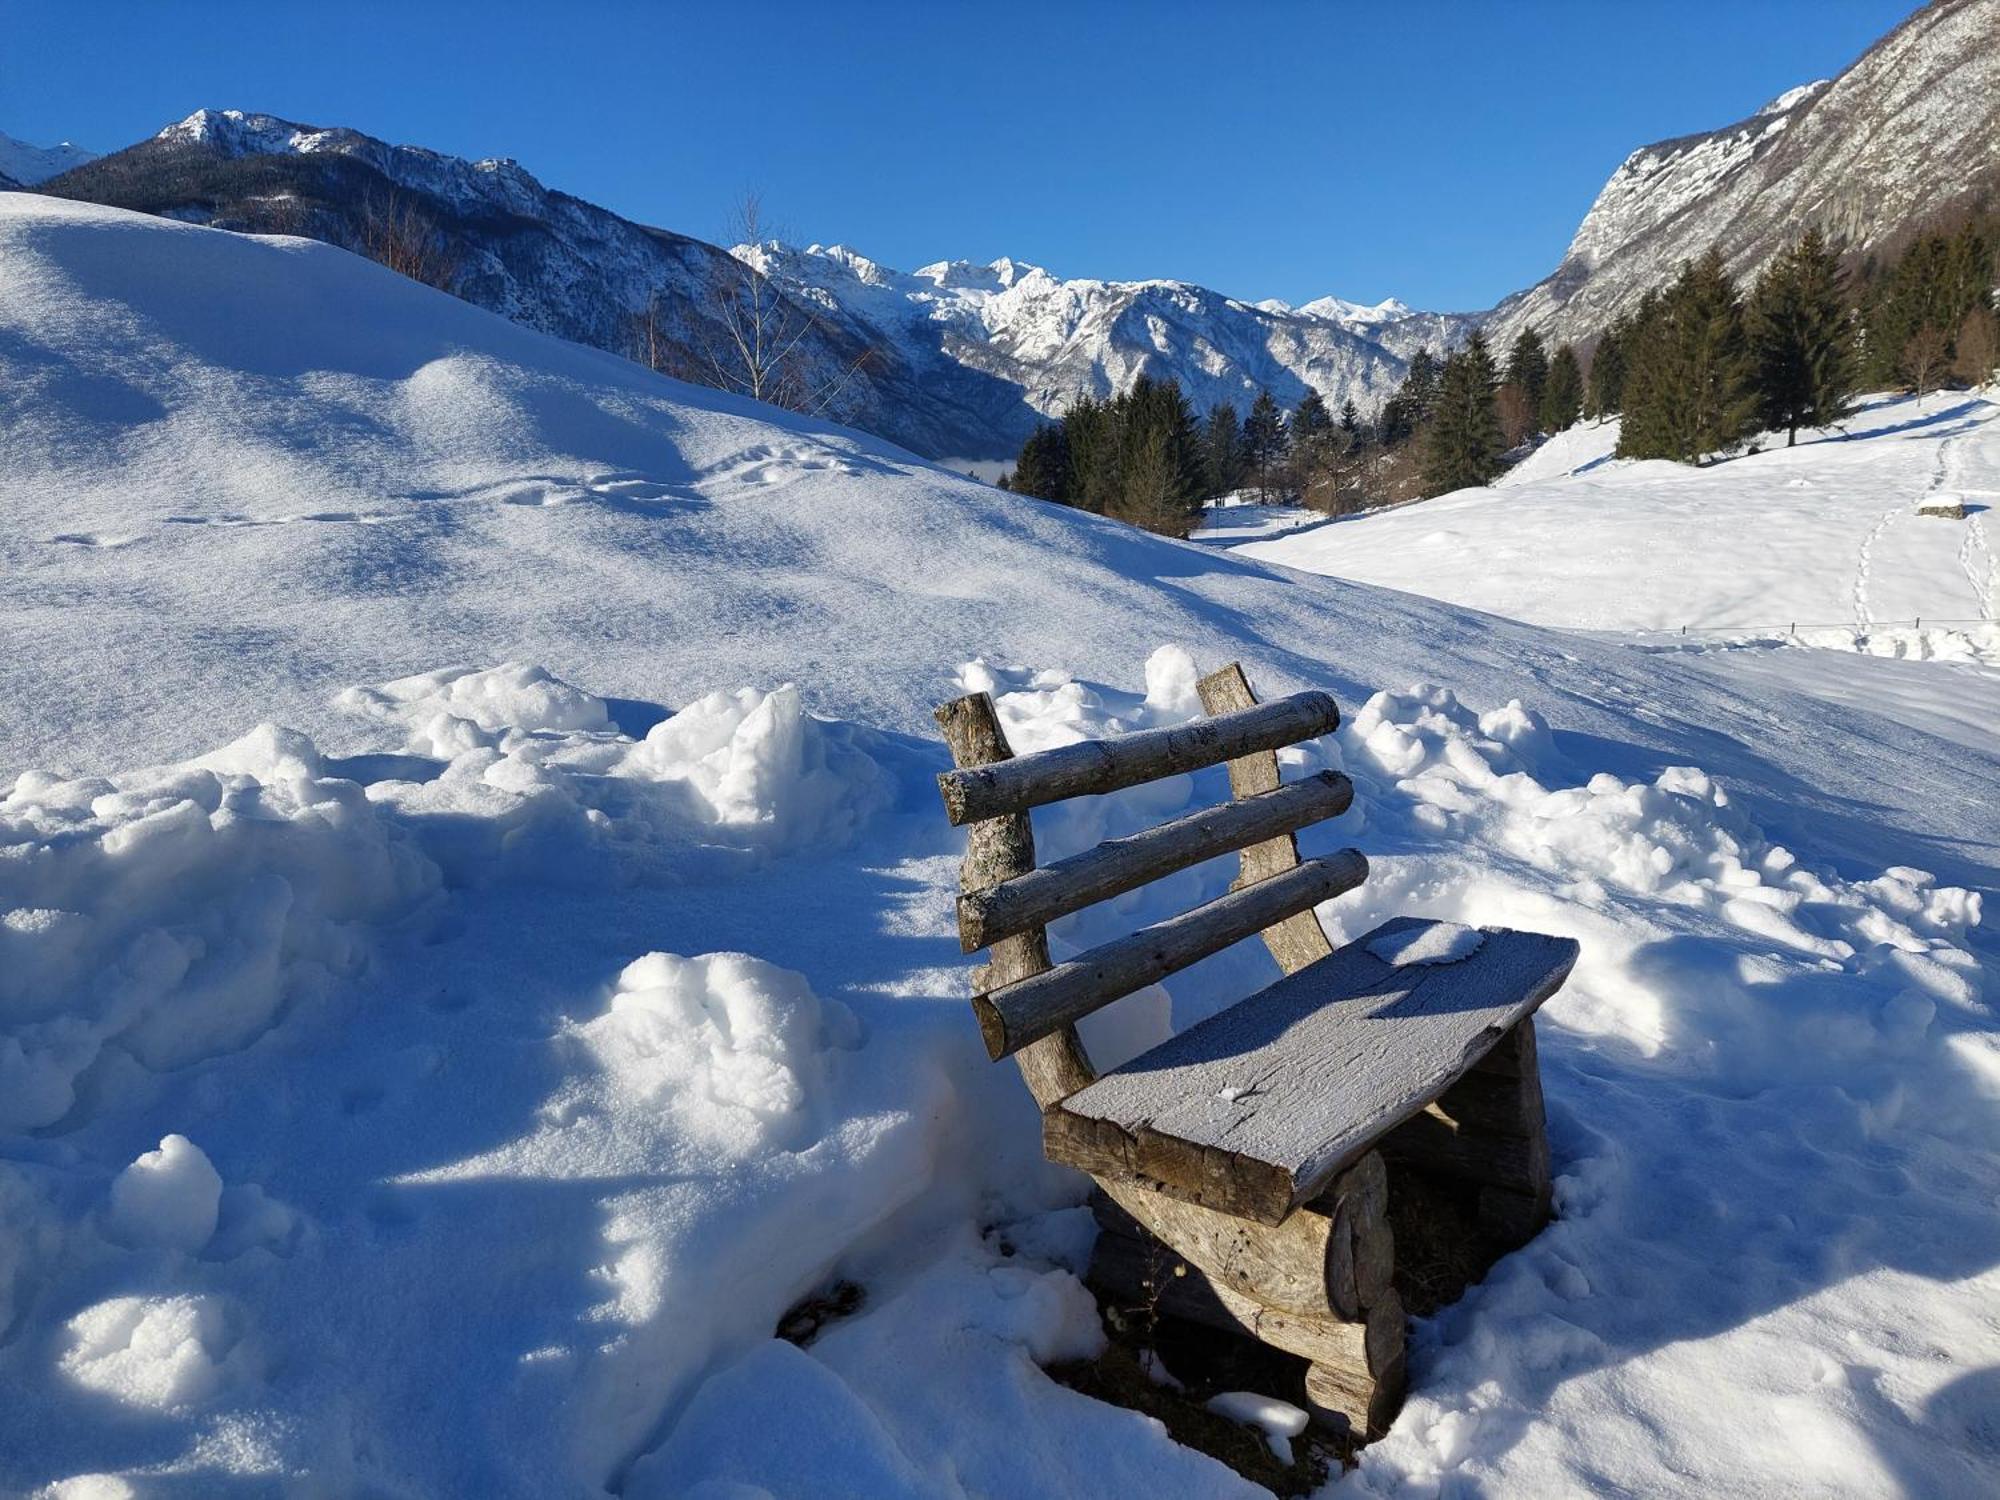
1256	1109
1305	1266
1118	865
1136	1275
1093	766
997	850
1298	940
1020	1013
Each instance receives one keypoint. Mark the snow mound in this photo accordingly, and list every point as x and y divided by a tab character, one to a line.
172	1197
738	1046
158	1353
157	917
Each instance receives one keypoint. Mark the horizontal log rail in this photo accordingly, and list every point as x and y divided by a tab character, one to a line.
1093	766
1016	1014
1118	865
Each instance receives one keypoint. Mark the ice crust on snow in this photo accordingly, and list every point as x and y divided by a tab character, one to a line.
586	1022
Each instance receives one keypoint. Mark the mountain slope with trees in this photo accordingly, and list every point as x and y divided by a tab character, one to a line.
1911	130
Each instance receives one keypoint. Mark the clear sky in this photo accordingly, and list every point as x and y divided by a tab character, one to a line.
1439	152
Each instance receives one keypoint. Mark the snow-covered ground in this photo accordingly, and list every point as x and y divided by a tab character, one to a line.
447	1092
1820	544
1236	518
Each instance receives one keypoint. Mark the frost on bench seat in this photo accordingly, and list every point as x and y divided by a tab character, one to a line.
1255	1110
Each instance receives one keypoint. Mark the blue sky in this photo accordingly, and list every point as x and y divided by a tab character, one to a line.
1440	152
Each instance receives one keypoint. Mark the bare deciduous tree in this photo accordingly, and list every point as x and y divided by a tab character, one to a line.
757	343
1925	357
1978	347
400	235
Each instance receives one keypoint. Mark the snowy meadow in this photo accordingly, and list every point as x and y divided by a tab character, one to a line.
476	934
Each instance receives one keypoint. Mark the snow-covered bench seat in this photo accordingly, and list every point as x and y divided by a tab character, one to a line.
1258	1150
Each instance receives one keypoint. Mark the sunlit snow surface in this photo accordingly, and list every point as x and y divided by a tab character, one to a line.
1821	544
447	1092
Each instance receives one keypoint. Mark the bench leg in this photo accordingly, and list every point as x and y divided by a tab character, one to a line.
1489	1132
1353	1350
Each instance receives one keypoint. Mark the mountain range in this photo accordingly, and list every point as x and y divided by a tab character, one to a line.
960	361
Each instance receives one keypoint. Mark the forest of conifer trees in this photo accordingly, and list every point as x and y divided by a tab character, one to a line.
1697	369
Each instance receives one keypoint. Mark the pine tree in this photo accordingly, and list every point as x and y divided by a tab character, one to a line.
1161	467
1562	395
1687	387
1801	339
1350	423
1528	367
1420	384
1267	442
1042	470
1095	455
1463	446
1606	396
1310	417
1223	461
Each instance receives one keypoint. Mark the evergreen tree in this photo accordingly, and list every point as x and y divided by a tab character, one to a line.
1310	417
1687	389
1266	441
1420	384
1562	395
1223	460
1095	455
1606	396
1350	423
1463	445
1042	470
1161	467
1528	367
1801	339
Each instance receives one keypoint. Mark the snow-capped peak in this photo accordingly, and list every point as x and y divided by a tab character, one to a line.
1340	310
29	165
1793	98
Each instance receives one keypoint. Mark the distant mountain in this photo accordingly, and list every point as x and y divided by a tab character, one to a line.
1910	130
515	247
953	361
23	165
1052	339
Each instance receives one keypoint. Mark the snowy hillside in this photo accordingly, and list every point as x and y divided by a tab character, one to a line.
1821	543
448	1091
27	165
1904	134
1053	340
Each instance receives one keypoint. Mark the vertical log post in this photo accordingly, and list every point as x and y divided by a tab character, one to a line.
1298	940
998	849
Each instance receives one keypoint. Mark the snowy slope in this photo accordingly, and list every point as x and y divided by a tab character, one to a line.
1021	328
1911	129
27	165
446	1094
1824	537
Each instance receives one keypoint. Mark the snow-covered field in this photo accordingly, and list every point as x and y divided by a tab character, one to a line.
1824	543
447	1092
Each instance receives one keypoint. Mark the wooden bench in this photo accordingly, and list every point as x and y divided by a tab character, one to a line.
1254	1153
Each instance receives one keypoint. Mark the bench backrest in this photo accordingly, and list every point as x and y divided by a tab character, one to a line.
1006	902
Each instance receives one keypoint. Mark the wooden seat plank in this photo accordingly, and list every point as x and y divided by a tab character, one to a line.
1256	1109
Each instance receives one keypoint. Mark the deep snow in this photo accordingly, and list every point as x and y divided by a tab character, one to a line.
570	987
1824	543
